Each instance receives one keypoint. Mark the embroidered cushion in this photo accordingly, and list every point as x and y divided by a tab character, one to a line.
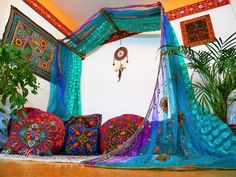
116	131
86	121
40	135
31	112
81	141
25	112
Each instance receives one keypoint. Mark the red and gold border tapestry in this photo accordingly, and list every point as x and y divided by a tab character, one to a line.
197	31
195	8
27	35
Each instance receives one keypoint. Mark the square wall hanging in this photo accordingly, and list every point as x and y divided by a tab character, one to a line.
27	35
197	31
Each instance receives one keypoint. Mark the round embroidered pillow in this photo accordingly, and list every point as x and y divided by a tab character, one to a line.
40	135
116	131
28	111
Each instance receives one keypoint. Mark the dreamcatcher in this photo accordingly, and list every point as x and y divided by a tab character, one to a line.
120	60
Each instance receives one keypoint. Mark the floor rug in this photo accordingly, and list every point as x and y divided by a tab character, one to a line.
55	158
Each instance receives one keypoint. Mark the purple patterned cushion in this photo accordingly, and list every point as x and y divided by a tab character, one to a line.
86	121
81	141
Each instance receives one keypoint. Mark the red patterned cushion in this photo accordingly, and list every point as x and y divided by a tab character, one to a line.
118	130
81	141
30	112
40	135
86	121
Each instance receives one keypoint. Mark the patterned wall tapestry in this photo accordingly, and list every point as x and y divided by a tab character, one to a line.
26	35
197	31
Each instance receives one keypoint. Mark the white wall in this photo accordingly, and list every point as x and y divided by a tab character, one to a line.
233	4
101	93
41	99
3	6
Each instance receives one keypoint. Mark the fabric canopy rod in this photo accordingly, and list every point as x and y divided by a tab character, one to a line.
83	56
103	11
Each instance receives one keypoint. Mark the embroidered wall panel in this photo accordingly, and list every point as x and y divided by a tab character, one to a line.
197	31
27	35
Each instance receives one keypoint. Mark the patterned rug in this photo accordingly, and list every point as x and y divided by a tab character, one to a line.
55	158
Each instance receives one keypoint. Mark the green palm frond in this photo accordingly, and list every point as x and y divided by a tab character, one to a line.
214	72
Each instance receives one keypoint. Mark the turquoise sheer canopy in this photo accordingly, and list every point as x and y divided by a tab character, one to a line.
65	75
64	99
181	134
98	28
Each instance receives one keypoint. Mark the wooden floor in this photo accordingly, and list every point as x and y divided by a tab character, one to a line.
10	168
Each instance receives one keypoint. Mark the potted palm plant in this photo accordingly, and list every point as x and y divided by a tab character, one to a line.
214	73
16	80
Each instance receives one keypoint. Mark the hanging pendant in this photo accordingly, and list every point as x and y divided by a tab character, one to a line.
121	53
119	62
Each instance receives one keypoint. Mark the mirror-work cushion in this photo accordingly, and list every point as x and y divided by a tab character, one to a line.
40	135
116	131
81	141
86	121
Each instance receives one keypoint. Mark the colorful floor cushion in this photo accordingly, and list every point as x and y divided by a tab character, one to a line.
81	141
23	113
118	130
40	135
86	121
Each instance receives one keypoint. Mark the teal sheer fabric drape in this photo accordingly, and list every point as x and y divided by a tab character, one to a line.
147	20
102	25
65	98
181	134
66	68
93	35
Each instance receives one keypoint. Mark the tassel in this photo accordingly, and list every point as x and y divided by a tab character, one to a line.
127	61
113	61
